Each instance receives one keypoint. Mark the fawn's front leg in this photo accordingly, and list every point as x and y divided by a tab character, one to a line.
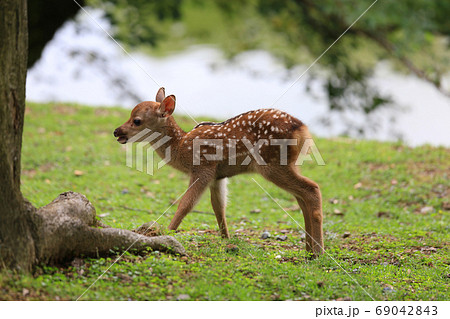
219	202
197	186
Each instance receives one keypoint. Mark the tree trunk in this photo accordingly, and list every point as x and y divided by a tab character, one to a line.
67	227
16	242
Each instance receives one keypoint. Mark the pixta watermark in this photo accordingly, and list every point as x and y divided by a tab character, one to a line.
141	149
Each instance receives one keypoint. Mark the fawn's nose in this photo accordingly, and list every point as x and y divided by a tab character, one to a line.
116	132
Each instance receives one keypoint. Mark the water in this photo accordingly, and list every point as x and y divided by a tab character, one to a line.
205	83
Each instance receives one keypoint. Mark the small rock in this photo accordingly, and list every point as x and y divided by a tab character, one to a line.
231	248
77	262
357	185
277	256
25	292
78	172
125	191
388	289
338	212
394	182
103	215
265	235
334	201
281	238
255	211
426	209
183	297
184	258
346	234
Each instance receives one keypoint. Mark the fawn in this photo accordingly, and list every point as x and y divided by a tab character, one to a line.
201	153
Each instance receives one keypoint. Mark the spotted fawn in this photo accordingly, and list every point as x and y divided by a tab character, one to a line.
264	141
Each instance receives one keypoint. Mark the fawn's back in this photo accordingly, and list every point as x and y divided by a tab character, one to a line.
244	142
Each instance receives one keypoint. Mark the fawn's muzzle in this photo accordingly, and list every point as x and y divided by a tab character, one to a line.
122	138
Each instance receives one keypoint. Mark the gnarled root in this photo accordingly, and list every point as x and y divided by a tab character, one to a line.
67	228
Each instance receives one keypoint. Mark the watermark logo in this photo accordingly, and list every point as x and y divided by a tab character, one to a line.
140	151
140	144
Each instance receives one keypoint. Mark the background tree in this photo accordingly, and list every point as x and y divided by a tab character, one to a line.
413	35
45	17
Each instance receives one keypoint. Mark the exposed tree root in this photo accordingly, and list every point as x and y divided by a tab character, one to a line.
68	228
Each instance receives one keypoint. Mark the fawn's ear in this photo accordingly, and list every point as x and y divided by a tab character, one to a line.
167	106
160	95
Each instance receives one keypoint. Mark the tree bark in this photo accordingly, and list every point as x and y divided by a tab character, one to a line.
16	242
67	227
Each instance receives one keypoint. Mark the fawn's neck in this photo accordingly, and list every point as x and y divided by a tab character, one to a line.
173	130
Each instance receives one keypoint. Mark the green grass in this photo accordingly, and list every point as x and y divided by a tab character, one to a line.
401	247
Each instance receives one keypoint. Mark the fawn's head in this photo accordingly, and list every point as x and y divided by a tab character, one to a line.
146	115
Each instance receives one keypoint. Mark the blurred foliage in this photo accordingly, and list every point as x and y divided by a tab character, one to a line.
140	22
413	35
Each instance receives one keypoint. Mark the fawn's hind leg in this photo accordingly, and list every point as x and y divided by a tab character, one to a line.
218	190
308	224
308	195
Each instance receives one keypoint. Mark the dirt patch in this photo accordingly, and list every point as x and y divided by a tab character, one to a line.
149	229
65	109
107	112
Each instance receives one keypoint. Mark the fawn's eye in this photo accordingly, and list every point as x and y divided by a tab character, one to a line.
137	122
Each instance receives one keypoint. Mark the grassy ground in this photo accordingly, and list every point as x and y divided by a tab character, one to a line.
385	209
